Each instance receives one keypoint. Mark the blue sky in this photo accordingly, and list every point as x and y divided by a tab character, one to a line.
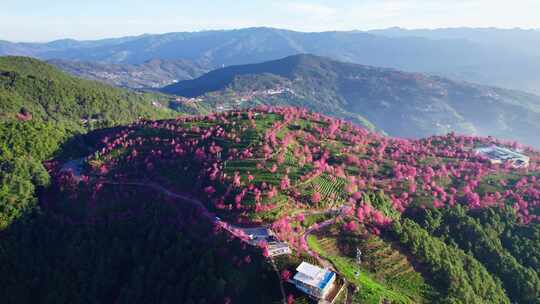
44	20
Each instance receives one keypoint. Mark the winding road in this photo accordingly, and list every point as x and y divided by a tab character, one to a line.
312	229
231	229
75	167
204	212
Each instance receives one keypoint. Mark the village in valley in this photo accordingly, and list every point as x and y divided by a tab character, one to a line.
228	100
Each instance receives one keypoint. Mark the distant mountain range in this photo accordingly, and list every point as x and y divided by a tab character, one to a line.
154	73
526	41
401	104
506	58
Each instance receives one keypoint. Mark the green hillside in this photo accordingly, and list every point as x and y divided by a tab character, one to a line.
143	251
401	104
154	209
48	94
41	108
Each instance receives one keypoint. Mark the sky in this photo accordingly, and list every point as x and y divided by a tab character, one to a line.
46	20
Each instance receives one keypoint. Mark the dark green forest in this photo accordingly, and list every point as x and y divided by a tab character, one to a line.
133	247
475	252
40	108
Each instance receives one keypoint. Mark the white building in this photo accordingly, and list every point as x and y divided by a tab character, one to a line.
262	234
500	155
278	248
313	280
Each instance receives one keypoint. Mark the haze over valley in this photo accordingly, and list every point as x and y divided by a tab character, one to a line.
505	58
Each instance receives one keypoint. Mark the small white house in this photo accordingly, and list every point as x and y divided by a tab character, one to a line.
278	248
262	234
500	155
313	280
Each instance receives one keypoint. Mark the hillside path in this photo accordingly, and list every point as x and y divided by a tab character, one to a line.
206	213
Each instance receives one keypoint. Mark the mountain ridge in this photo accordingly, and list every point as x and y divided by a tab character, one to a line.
504	66
400	103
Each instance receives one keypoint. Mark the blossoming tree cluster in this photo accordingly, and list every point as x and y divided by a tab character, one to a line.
262	164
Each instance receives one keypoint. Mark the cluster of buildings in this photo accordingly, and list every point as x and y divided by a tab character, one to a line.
185	100
314	281
317	283
248	96
501	155
226	102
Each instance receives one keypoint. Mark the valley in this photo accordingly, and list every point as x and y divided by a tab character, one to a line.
150	74
466	54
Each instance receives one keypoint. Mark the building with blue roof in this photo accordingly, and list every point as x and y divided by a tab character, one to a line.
313	280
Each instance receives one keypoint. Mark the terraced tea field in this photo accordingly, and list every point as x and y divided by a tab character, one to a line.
384	272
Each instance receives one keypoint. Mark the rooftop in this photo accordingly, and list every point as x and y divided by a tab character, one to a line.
313	276
502	154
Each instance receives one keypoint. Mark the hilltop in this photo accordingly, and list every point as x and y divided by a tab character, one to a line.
435	221
473	60
401	104
85	258
96	179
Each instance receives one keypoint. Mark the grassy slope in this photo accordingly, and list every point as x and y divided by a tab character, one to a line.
371	291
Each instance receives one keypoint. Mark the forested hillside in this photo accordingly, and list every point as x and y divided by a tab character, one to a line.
124	201
41	108
435	222
135	247
30	88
